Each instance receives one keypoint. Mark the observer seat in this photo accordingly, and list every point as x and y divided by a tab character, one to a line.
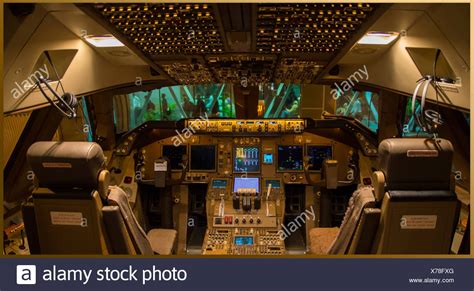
419	210
77	212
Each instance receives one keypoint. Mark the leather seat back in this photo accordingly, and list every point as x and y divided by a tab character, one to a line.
419	210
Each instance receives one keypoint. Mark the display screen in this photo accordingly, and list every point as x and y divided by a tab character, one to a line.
219	184
252	183
203	158
243	240
268	158
290	158
317	155
246	159
275	183
175	155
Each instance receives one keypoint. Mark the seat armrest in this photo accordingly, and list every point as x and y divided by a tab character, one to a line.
365	232
321	239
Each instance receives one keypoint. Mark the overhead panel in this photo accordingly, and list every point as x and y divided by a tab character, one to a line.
308	28
238	43
166	29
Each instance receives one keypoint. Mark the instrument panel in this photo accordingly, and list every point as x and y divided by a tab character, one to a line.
279	156
246	177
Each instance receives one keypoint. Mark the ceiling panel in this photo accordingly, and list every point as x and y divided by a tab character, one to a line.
238	43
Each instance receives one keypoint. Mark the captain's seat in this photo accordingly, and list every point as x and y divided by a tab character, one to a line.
77	212
419	210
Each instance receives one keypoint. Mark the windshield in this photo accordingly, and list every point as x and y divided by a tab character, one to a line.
279	101
217	101
173	103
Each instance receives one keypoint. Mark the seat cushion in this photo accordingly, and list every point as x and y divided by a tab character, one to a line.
321	239
162	240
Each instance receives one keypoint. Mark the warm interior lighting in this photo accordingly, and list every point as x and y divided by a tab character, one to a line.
103	41
378	38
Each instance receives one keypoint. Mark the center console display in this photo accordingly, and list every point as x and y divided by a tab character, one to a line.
290	158
246	183
243	240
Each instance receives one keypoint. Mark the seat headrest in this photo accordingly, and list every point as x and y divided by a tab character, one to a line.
416	163
66	165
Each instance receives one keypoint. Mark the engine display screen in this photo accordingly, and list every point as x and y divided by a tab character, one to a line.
203	158
175	155
246	183
290	158
317	155
246	159
243	240
219	184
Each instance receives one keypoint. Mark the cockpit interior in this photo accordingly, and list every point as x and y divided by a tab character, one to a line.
225	129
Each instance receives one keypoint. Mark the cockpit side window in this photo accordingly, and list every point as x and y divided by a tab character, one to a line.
361	105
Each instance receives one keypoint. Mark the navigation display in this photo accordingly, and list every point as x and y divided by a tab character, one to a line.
246	183
246	159
203	158
290	158
175	155
317	155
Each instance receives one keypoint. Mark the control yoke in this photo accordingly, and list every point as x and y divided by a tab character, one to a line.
328	173
306	166
184	165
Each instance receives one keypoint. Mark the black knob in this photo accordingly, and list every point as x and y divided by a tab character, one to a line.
258	221
244	221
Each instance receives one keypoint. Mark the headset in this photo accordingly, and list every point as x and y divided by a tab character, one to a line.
67	103
429	119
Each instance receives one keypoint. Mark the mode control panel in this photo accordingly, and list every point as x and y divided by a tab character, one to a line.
247	126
